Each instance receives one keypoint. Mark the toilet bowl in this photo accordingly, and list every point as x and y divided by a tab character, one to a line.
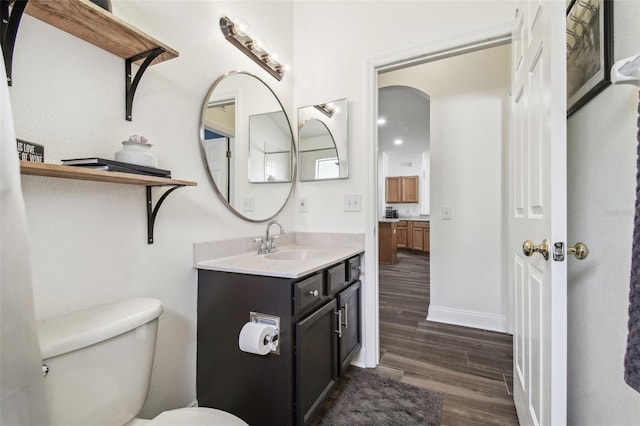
98	368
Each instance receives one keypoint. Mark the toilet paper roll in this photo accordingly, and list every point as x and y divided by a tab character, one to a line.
253	338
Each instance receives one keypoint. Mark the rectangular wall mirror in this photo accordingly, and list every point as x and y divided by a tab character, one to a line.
323	141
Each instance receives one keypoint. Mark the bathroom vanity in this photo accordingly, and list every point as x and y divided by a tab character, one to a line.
315	292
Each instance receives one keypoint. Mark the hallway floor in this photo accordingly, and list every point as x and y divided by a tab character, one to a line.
472	368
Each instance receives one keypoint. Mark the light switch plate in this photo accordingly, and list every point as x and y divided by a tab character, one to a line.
447	213
352	202
248	204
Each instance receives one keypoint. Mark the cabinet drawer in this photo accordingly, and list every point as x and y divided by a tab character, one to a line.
353	269
335	278
307	293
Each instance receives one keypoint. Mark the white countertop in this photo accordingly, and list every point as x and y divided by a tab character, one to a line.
407	218
324	250
261	264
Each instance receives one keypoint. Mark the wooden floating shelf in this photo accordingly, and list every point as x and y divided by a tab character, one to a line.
83	173
97	26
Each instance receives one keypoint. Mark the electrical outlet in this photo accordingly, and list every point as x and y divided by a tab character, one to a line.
447	213
303	204
352	203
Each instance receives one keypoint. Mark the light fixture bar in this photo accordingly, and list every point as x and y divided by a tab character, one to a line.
326	109
249	47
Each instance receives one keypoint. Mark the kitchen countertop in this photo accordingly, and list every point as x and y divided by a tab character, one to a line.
308	253
407	218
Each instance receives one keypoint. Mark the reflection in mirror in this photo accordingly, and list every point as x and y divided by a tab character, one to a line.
323	146
247	146
270	148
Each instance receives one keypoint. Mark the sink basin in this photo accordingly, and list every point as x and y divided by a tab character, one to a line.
295	255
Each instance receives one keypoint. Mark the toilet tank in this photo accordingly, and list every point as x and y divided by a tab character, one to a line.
99	362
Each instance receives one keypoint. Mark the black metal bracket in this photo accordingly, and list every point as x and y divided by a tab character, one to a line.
152	211
9	23
131	86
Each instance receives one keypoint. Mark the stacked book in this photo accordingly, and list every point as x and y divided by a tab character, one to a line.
116	166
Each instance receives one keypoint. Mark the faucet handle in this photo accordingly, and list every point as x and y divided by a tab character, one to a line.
271	243
263	244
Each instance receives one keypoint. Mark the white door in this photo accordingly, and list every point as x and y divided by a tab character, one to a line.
538	212
216	150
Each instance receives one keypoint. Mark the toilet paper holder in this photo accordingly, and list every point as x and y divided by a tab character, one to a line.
274	322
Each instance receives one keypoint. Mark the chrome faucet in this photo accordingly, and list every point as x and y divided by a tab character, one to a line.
267	243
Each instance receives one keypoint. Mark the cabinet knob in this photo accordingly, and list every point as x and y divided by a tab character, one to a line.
313	293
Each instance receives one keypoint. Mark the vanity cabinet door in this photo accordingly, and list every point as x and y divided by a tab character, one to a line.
349	341
316	360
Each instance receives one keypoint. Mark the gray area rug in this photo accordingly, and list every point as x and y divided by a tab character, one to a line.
370	399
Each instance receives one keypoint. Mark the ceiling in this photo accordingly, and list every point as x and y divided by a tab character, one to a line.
406	112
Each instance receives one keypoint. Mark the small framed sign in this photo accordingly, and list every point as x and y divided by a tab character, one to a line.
29	151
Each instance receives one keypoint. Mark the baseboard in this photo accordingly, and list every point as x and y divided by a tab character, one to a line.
360	359
467	318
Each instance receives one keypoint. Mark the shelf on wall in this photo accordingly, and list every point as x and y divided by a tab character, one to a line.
94	25
97	26
82	173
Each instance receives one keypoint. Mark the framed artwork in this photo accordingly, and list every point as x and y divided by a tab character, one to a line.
589	50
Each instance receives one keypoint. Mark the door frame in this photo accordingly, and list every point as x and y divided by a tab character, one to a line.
474	41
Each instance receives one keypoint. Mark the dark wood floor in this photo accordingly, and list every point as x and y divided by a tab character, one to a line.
472	368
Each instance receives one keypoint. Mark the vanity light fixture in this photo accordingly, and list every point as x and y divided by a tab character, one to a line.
252	48
326	109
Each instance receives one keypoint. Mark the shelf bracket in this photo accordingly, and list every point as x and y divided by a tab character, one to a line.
152	211
132	85
9	23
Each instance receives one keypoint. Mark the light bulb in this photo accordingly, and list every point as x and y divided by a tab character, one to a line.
382	121
397	142
240	29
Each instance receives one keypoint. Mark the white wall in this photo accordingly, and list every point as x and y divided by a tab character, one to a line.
469	107
601	195
89	239
393	30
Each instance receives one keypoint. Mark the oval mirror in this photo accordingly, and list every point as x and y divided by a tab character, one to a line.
322	141
247	146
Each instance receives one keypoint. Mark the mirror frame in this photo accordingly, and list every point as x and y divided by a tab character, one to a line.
203	155
337	131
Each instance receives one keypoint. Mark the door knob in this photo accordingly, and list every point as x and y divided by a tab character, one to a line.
528	248
580	251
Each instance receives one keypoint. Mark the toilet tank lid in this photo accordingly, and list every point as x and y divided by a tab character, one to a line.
76	330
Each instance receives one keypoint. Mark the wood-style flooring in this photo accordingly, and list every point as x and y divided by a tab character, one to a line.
472	368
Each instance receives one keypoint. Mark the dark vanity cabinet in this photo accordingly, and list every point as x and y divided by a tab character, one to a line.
319	337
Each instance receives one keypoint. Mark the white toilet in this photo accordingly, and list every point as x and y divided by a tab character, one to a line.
99	366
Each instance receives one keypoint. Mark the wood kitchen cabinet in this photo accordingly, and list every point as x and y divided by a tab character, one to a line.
387	242
402	234
421	236
401	189
413	235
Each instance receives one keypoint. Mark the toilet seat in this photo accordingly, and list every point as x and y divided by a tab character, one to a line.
196	416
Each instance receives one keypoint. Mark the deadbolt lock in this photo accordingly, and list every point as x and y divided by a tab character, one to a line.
528	248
